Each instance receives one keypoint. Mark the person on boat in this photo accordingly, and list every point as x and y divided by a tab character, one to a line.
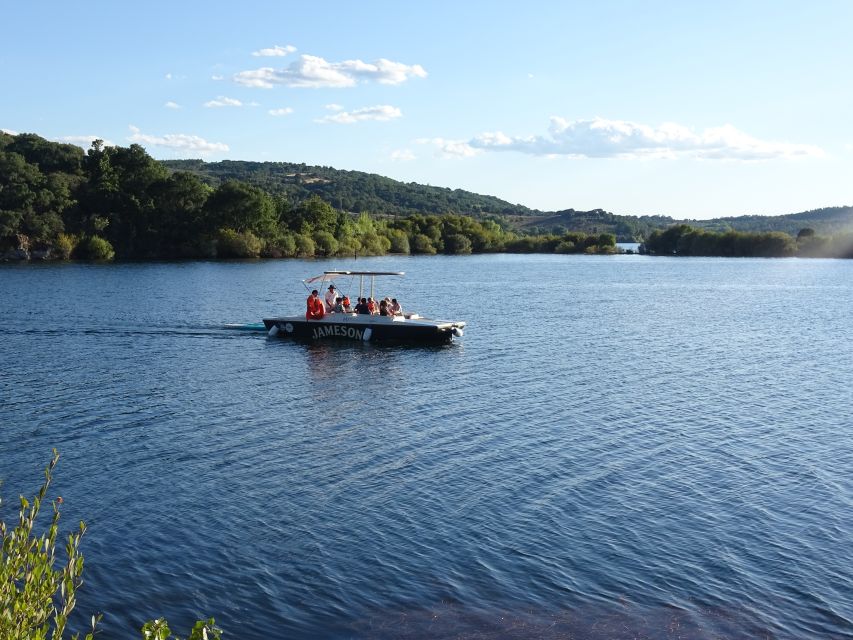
315	308
372	309
339	305
362	307
383	309
395	308
347	305
331	295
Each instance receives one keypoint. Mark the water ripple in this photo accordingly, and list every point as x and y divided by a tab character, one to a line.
665	455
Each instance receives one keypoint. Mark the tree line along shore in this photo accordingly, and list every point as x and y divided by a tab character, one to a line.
58	202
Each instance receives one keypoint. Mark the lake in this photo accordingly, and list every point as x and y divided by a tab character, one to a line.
619	447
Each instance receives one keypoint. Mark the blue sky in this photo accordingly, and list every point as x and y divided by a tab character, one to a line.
693	109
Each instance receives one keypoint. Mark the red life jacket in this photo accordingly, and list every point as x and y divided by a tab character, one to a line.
316	308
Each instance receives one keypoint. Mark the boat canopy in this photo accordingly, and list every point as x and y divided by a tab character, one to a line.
330	275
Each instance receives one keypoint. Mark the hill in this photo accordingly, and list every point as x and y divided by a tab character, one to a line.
825	221
625	228
353	191
357	191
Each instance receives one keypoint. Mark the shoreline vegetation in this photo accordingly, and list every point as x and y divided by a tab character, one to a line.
58	202
38	591
685	240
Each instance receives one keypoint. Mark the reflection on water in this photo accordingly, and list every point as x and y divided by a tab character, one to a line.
619	446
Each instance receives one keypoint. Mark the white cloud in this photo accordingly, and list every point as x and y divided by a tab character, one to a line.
276	51
403	155
315	72
222	101
177	141
172	105
9	131
84	141
380	112
334	107
280	112
217	77
600	138
168	76
451	148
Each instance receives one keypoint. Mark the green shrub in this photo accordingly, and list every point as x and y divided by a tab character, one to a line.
159	630
283	246
349	246
36	598
422	243
457	243
65	245
94	248
373	244
304	246
606	240
399	241
325	243
235	244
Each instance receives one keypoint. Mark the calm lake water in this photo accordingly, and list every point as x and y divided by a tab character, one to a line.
619	447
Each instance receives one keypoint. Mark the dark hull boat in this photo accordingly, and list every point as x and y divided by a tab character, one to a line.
365	328
408	328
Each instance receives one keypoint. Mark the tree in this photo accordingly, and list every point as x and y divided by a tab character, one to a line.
312	215
421	243
31	204
177	216
304	245
48	156
457	244
242	207
325	243
399	241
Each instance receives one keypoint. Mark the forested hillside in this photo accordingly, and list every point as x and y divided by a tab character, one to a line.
59	202
625	228
356	191
353	191
827	221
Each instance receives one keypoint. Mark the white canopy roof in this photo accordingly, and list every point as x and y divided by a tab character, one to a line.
330	275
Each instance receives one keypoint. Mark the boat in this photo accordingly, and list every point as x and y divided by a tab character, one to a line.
406	328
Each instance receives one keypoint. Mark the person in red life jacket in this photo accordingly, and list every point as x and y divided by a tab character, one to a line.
316	309
347	305
372	309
